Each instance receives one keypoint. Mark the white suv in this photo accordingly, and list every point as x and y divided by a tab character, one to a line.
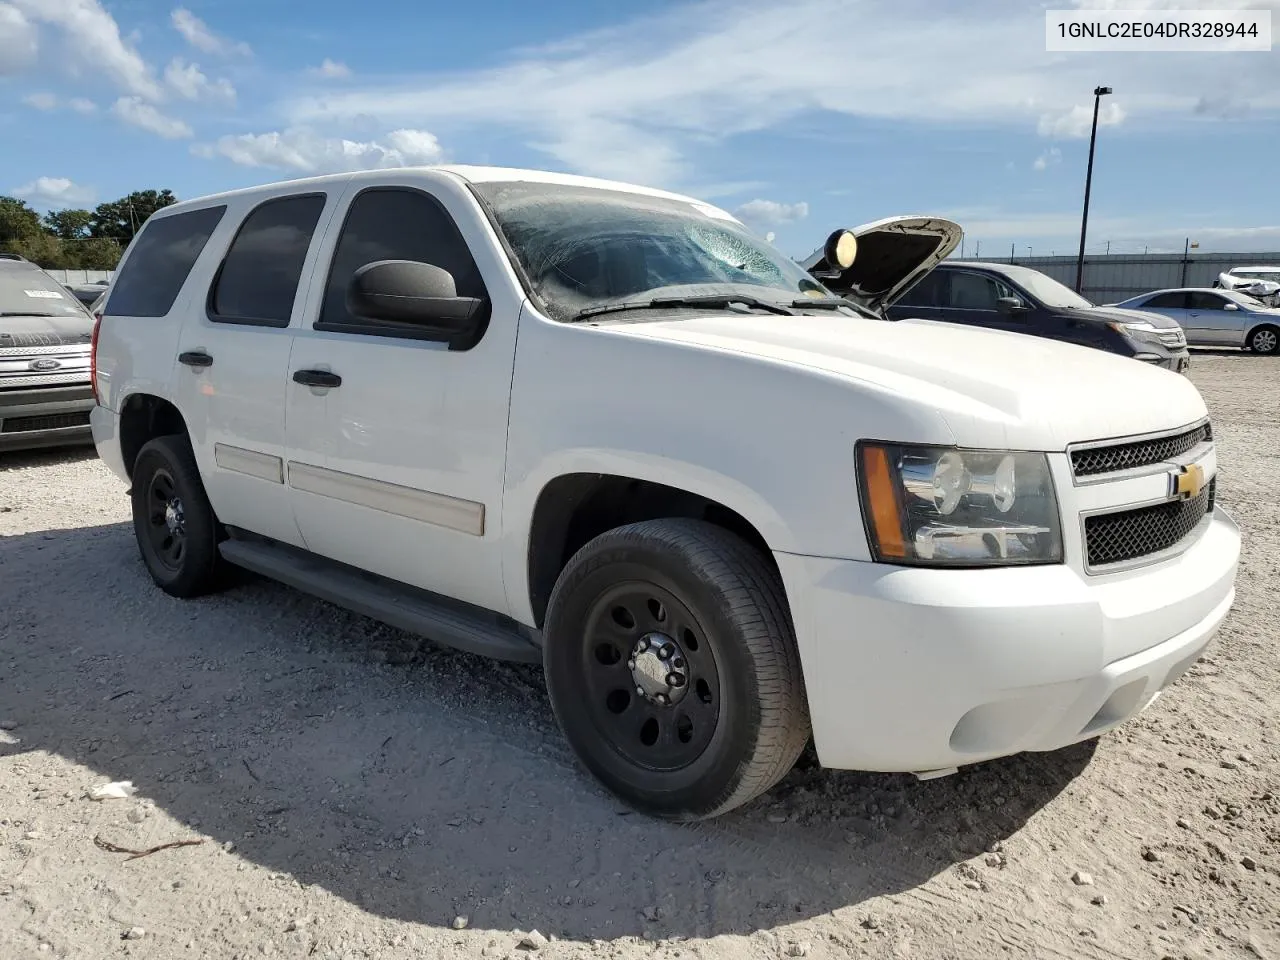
548	418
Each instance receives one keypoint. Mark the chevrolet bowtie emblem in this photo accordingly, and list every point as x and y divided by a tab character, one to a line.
1187	482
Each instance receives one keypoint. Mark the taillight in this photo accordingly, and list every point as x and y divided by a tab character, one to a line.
93	358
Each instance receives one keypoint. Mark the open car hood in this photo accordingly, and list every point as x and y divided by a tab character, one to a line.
892	255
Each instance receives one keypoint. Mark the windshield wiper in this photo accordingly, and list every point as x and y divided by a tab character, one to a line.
823	303
715	301
24	313
833	303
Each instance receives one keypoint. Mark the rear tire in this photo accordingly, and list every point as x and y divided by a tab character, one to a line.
672	668
1264	340
173	522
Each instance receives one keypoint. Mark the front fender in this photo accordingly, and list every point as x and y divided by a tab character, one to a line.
521	499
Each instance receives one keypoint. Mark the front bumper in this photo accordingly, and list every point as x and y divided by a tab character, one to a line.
45	417
920	670
1178	362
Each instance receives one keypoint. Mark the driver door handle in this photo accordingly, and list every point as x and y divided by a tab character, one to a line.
317	378
195	358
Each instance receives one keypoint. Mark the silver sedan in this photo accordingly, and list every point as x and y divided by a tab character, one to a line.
1215	318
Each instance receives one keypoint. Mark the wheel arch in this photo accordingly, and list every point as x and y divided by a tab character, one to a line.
1265	325
143	417
571	508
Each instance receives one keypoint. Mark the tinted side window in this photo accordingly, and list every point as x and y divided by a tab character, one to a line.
164	252
1205	301
259	278
395	224
972	291
929	291
1167	301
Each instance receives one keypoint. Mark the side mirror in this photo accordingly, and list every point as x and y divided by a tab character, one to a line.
420	296
1010	305
1232	306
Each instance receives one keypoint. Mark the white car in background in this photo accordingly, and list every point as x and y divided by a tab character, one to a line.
1261	283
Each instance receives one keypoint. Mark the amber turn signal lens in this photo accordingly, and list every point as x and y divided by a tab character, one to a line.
885	512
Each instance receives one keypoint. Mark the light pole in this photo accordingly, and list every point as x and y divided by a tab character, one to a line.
1098	94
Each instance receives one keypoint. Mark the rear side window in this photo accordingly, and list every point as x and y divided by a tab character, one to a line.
259	278
394	224
160	261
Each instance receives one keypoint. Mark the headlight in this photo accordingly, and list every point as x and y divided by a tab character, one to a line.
942	506
1140	330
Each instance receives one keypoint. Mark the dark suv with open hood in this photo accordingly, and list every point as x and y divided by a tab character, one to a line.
45	334
900	271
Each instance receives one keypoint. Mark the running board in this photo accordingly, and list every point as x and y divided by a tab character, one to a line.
393	603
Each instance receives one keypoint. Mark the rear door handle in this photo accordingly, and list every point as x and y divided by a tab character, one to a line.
195	358
317	378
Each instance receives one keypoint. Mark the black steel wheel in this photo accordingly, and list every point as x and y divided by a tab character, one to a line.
166	528
174	524
650	675
672	667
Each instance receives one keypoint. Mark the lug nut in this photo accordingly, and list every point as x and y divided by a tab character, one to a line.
631	664
662	698
640	690
675	680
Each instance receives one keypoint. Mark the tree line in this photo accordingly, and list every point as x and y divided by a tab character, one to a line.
77	239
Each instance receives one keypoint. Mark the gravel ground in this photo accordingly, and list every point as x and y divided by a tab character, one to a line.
357	793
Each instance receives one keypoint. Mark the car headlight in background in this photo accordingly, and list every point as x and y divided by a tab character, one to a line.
1143	331
943	506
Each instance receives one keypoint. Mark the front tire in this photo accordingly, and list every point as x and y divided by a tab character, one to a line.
1264	340
672	668
173	522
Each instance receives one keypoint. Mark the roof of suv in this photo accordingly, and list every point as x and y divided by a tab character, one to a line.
470	174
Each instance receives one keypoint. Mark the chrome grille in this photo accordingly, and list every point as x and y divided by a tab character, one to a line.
1172	338
1133	534
1093	461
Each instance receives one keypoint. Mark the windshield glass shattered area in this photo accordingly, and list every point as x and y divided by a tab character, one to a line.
583	247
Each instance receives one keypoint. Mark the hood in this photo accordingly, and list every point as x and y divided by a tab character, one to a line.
993	389
1126	315
1249	284
892	255
45	331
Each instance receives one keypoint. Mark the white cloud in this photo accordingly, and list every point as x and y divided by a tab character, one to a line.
1047	159
135	111
190	83
639	99
49	102
305	151
1076	123
93	38
331	70
41	101
18	42
197	33
770	213
55	192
